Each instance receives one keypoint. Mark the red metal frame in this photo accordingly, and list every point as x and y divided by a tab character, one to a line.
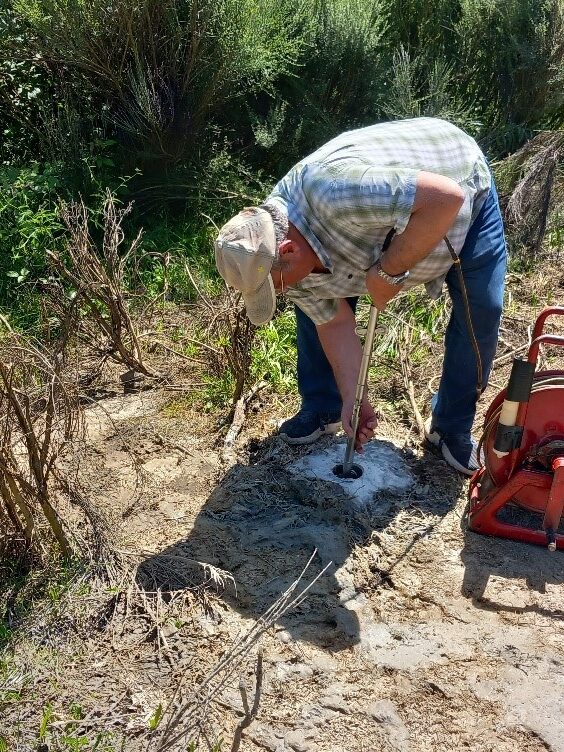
508	479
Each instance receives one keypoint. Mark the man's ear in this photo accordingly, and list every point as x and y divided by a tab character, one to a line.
286	246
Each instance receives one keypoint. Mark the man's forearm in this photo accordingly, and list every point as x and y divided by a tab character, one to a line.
343	349
437	202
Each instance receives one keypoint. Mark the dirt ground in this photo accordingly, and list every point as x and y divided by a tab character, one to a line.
419	636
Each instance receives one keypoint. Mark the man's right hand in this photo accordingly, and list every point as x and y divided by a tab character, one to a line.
367	422
344	351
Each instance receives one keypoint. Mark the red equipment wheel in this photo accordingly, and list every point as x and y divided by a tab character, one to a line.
544	424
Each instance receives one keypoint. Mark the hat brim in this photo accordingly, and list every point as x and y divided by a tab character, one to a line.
261	303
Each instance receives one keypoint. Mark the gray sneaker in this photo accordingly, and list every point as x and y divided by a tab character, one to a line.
307	426
459	450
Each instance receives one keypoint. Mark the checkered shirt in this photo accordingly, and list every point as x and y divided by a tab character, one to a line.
346	196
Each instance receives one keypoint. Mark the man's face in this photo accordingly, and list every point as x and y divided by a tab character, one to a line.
295	263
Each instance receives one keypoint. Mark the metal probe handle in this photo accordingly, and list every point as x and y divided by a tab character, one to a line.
361	386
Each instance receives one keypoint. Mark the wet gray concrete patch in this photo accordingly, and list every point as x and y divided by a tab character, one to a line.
383	469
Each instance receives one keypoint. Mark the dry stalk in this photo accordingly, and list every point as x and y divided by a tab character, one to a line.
403	346
41	431
239	414
250	713
40	415
528	207
97	275
186	716
229	326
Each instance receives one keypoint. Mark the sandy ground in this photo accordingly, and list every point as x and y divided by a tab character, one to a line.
420	635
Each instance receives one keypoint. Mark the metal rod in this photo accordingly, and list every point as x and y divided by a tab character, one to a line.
361	386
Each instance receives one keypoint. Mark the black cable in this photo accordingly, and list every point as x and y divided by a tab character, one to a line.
468	316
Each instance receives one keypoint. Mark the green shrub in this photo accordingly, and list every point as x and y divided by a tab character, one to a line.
512	55
423	88
161	70
29	225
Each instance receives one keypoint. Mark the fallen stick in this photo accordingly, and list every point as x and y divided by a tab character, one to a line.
510	355
238	420
250	713
186	715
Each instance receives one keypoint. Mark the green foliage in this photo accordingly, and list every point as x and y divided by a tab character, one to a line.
274	353
155	719
205	104
520	86
421	87
23	585
29	225
340	82
161	70
173	251
343	73
12	681
46	718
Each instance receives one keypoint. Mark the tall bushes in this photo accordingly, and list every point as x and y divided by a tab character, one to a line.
160	70
513	54
173	79
210	100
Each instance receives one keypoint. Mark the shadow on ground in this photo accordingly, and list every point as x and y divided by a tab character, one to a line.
485	558
262	523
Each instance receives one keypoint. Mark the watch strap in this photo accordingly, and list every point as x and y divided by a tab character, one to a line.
391	279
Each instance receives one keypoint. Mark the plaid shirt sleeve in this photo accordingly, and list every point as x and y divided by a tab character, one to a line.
361	194
360	198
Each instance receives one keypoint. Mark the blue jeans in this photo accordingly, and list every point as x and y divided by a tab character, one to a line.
483	262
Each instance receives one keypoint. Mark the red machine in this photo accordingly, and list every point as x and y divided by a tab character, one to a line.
523	452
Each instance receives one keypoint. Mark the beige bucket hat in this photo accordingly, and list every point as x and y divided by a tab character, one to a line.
245	250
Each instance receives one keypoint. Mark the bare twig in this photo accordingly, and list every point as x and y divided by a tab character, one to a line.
98	277
185	717
39	415
528	207
158	343
250	713
403	344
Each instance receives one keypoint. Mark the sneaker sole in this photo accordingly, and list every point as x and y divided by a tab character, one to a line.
330	428
434	440
450	460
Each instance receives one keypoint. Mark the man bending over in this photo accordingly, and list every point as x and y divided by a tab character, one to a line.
368	212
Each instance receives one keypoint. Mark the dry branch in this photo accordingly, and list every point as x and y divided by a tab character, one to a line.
186	716
40	414
98	277
250	713
403	344
239	414
41	432
528	207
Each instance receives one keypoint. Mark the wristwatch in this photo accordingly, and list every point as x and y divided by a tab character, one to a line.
397	279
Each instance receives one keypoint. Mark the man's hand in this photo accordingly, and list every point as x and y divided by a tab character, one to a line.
367	422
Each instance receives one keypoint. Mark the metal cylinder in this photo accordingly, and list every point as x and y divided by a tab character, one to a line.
361	386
